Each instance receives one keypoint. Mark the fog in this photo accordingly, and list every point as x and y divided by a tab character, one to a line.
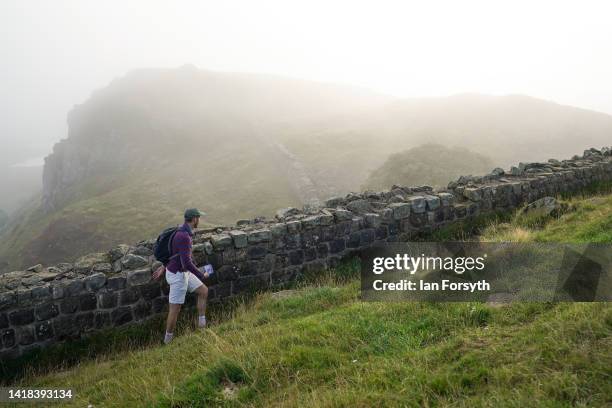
54	53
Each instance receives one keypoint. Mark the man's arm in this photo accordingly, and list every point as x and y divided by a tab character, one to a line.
183	245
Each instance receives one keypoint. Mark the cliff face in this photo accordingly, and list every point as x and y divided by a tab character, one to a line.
151	115
73	162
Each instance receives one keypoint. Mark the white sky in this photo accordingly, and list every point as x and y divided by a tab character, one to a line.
54	53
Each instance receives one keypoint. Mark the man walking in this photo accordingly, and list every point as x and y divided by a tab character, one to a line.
183	275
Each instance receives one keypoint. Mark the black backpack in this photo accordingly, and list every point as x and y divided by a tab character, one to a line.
163	246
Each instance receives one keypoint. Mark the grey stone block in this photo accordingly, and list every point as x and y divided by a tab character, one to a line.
41	293
326	218
104	267
472	193
69	305
221	241
24	296
372	220
44	331
26	335
432	202
335	202
121	316
131	261
46	311
400	210
142	251
118	252
107	300
359	206
446	199
138	277
418	204
116	283
293	227
311	222
256	252
88	301
8	337
240	238
341	215
278	229
95	281
21	317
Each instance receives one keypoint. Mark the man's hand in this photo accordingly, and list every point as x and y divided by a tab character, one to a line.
158	273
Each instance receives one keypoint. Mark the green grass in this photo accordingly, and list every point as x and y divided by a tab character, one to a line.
321	346
586	220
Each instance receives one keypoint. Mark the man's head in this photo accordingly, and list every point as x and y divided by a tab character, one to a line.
192	217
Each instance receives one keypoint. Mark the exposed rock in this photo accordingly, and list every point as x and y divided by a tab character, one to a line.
118	252
35	268
544	206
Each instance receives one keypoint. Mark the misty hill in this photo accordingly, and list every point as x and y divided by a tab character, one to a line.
505	128
18	184
242	145
430	164
3	218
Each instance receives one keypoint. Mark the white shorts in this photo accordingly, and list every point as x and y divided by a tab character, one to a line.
180	283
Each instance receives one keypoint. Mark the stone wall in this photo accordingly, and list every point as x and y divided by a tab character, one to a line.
46	305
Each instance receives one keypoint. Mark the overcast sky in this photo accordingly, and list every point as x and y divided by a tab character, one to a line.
54	53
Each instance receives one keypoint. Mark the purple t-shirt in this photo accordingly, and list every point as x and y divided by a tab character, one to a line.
182	245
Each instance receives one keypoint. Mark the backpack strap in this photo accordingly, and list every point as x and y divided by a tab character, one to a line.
170	242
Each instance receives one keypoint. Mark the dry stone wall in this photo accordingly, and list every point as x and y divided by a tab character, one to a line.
45	305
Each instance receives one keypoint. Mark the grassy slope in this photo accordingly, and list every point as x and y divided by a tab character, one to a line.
139	207
321	346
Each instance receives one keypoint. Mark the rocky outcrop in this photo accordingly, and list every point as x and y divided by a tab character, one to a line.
46	305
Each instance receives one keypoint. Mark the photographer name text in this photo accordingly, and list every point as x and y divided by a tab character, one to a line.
420	285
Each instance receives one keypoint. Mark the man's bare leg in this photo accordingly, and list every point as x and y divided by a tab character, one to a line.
173	312
202	293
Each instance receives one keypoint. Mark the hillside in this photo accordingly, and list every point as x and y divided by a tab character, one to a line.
243	145
347	148
430	164
321	346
